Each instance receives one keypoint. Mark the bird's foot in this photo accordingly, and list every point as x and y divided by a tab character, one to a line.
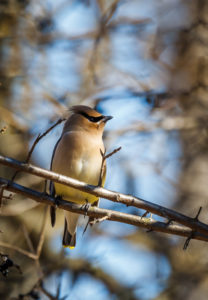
86	206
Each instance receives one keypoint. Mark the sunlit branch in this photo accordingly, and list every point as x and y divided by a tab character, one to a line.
128	200
99	213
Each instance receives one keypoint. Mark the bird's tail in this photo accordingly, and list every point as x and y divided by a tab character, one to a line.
69	236
69	240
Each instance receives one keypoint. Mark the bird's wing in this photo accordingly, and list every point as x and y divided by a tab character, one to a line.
52	189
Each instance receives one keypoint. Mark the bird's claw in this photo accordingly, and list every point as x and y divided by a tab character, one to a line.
86	206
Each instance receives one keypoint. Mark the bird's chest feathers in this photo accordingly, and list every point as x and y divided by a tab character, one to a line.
80	158
87	168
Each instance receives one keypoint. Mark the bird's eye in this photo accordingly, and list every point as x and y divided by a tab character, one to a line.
95	119
91	118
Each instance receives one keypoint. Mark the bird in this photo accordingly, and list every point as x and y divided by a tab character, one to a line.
78	153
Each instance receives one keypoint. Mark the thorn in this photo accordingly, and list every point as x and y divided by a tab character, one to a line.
198	213
144	214
186	244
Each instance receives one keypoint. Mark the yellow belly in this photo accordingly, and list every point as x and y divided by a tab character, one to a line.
74	195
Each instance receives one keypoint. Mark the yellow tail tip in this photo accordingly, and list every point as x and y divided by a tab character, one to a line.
70	247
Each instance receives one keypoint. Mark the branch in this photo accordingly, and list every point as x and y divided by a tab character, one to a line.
112	153
104	157
42	233
20	250
128	200
99	213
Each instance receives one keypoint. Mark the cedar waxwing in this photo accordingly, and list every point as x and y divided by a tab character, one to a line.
77	154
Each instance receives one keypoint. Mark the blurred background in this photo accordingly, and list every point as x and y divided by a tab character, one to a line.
145	63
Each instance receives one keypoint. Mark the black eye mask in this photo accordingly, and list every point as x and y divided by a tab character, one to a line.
91	118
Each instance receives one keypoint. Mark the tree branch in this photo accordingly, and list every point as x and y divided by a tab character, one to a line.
128	200
20	250
95	212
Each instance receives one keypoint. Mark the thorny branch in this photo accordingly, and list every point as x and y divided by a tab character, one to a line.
99	213
186	244
128	200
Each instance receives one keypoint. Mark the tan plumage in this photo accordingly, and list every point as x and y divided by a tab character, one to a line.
77	154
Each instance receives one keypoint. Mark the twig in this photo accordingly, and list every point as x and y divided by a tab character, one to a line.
28	239
39	137
93	222
129	200
18	208
102	168
42	233
186	244
113	152
39	287
198	213
45	292
104	157
22	251
32	249
100	213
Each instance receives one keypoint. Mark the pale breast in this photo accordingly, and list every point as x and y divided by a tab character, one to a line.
78	156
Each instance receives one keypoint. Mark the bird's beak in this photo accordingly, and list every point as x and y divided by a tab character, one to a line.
107	118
